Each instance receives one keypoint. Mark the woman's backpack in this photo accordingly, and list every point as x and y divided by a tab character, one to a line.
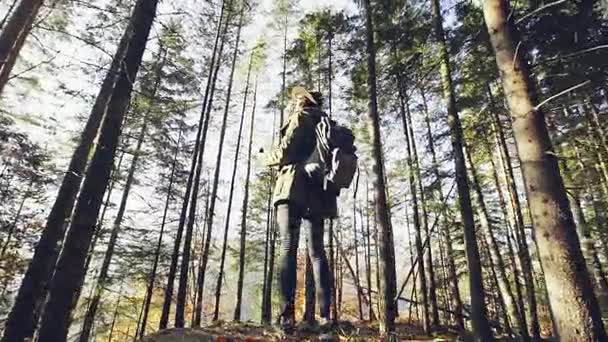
336	145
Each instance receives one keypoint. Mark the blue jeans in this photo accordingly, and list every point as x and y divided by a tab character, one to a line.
289	219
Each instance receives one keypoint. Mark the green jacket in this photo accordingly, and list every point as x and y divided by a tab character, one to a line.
293	185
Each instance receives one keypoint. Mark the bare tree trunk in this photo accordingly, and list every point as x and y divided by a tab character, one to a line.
282	104
594	121
70	267
181	297
481	327
116	228
209	89
265	312
511	252
13	35
24	314
573	304
332	269
340	285
520	234
7	66
603	171
239	291
497	296
445	232
495	253
152	276
429	260
356	242
368	258
218	289
387	288
416	211
198	306
102	278
116	312
267	309
588	243
445	286
9	11
356	281
183	279
114	177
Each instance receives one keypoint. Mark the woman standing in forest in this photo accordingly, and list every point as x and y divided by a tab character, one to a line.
299	195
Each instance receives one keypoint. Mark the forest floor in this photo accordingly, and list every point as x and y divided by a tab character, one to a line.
344	331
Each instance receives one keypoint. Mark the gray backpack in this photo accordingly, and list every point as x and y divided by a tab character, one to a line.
336	145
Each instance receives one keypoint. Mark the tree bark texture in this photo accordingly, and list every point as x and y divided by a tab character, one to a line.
481	327
69	273
387	290
23	317
573	304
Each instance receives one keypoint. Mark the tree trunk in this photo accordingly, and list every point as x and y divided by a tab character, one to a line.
588	245
282	109
368	239
445	232
241	279
9	11
415	302
481	327
511	251
332	269
497	296
13	225
7	67
594	121
198	306
520	234
102	278
387	288
573	303
494	253
99	227
445	280
218	289
599	209
200	137
14	34
116	228
265	313
416	211
340	282
152	276
267	306
356	280
356	242
429	257
181	296
23	317
69	274
116	312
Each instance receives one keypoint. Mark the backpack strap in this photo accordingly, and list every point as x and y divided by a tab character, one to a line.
323	133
